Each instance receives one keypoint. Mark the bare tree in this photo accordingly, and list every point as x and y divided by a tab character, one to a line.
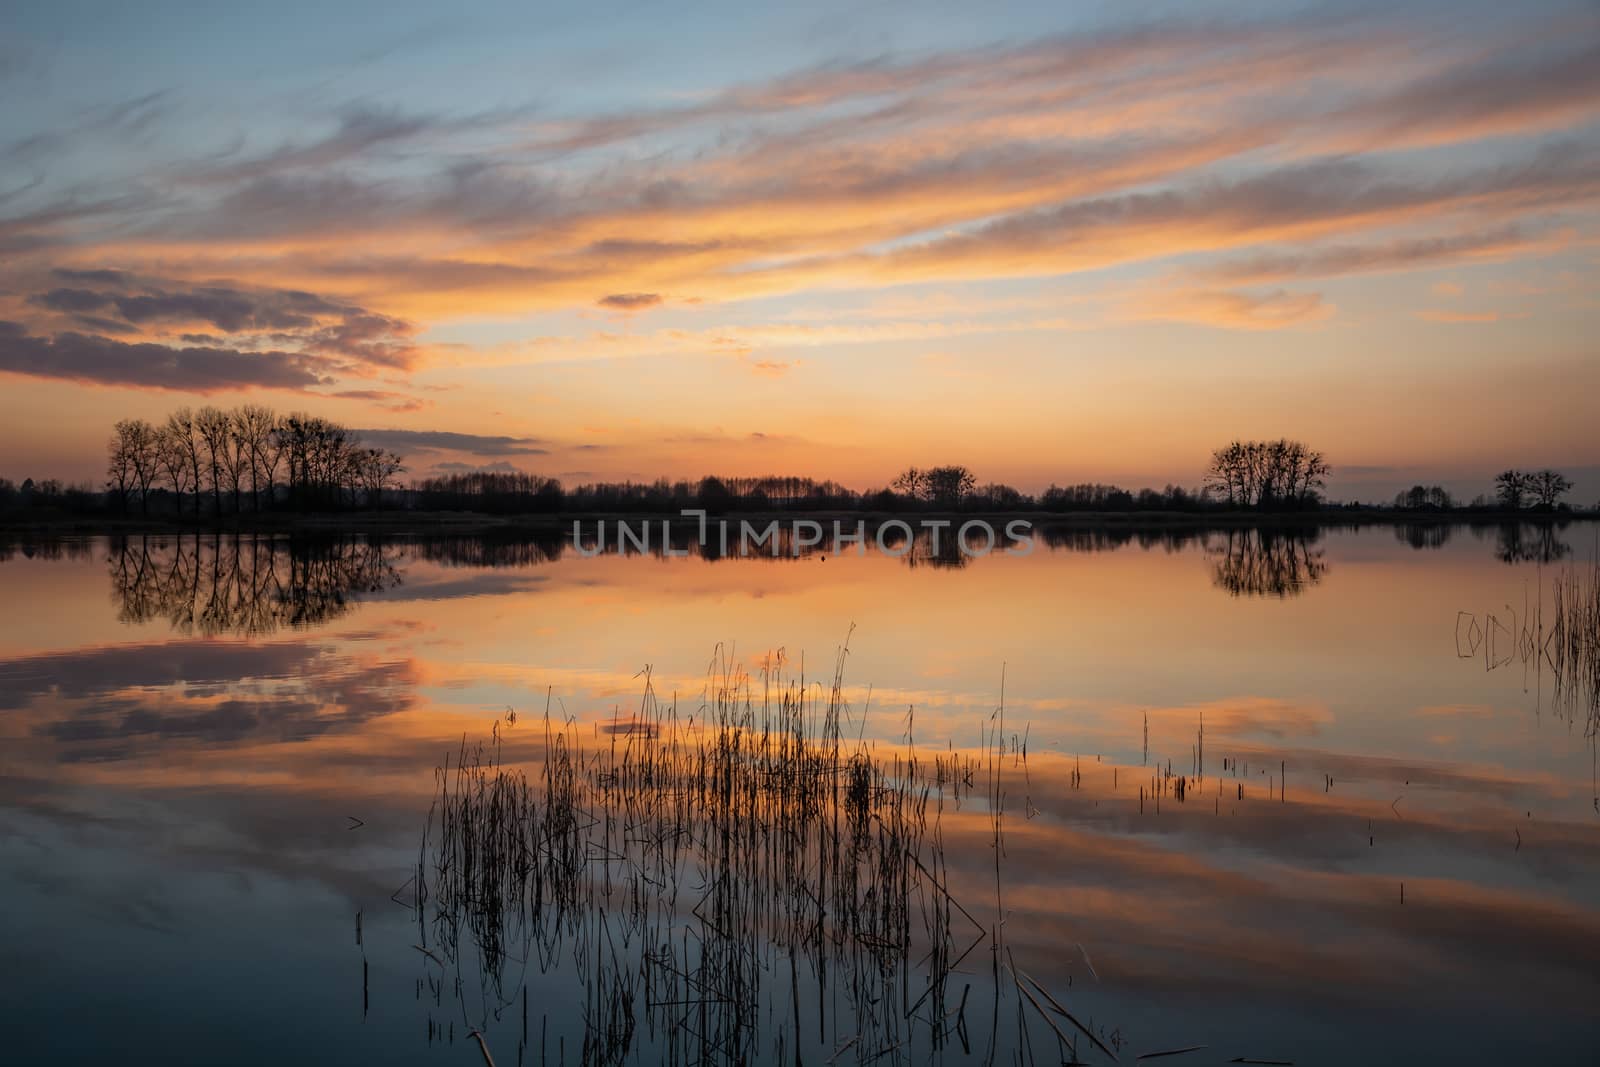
910	482
947	486
1267	473
119	463
184	435
175	461
252	428
145	445
1548	487
377	471
235	459
214	427
1511	488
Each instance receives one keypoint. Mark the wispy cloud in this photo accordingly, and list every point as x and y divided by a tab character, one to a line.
411	441
1073	153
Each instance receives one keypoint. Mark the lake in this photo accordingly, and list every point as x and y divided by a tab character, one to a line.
1294	797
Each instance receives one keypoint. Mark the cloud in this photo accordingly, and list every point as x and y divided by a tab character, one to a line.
71	300
1324	261
287	319
358	129
630	301
1288	142
411	441
102	361
1233	309
92	673
144	694
1546	85
389	401
92	277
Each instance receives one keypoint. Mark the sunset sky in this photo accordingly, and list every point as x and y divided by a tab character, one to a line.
1054	242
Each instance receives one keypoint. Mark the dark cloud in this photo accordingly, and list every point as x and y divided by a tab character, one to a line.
103	361
101	324
229	310
630	301
286	318
92	277
364	335
409	441
71	300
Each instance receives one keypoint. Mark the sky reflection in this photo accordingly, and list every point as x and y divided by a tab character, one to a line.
176	783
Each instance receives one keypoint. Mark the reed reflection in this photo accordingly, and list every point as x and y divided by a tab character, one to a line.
745	880
1558	638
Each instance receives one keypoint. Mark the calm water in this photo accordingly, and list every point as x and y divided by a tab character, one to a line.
214	753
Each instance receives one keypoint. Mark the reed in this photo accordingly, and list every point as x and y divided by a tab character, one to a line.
743	881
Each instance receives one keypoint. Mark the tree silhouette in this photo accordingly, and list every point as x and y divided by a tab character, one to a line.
1548	487
227	454
1267	473
1511	488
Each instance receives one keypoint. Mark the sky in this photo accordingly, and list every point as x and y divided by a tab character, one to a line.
1053	242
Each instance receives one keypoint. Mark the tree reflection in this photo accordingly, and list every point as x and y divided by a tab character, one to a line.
1266	562
1520	542
1423	535
526	548
28	545
232	584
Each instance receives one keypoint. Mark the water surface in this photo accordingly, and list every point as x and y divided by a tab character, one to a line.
218	750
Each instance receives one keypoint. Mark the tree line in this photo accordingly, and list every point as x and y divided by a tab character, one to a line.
249	458
245	458
511	492
1514	491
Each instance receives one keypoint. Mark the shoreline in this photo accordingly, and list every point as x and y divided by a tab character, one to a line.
423	523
